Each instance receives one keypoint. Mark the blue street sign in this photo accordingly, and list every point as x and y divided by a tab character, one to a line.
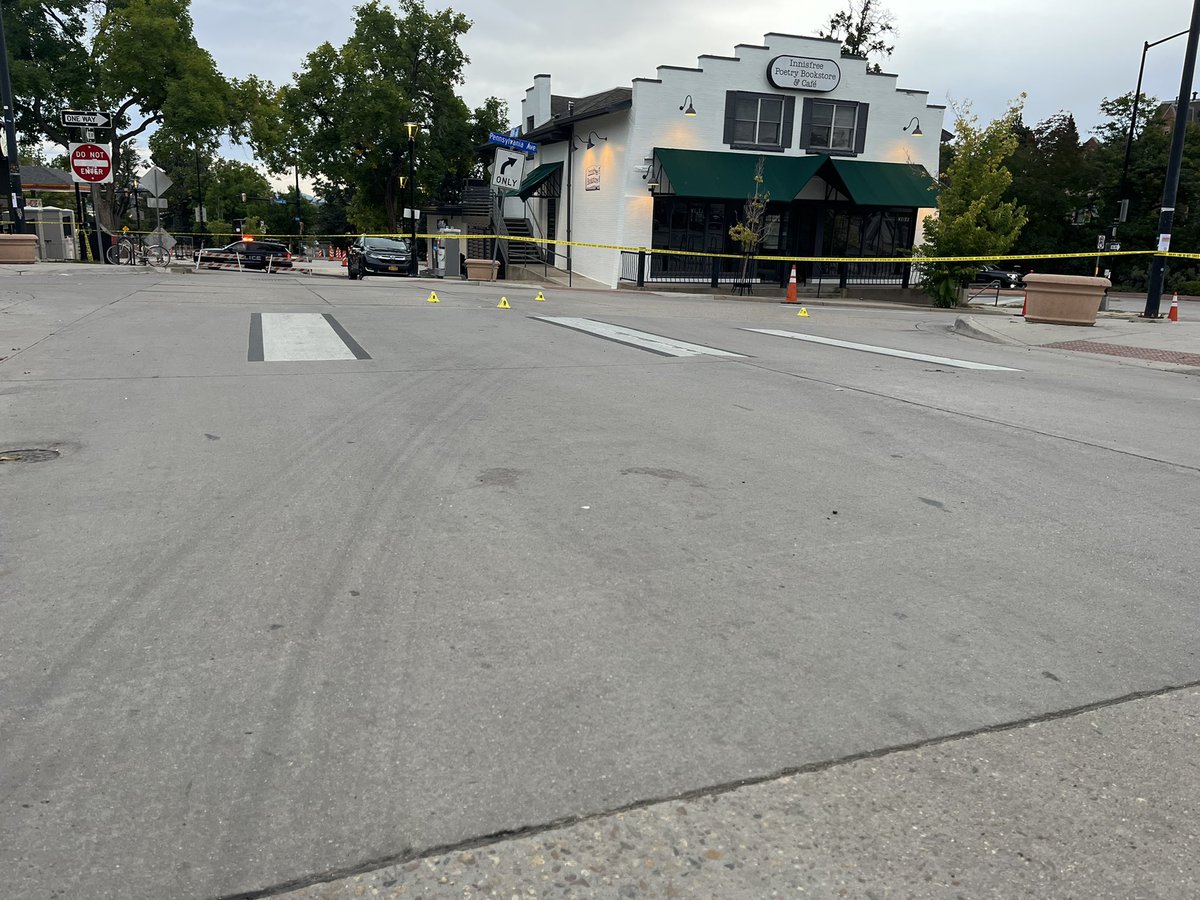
512	143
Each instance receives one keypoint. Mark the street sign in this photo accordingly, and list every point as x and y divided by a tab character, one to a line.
512	143
91	163
1114	245
507	170
1100	239
156	203
158	236
156	182
77	119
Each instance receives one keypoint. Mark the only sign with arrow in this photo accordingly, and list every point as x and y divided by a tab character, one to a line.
508	170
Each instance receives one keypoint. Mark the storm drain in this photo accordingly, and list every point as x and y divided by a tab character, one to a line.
12	456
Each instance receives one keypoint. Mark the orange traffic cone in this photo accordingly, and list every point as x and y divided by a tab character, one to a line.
791	294
1173	315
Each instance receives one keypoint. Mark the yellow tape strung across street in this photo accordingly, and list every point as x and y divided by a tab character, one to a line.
655	251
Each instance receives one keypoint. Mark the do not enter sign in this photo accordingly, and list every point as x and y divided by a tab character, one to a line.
91	163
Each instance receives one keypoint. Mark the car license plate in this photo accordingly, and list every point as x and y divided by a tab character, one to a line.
393	268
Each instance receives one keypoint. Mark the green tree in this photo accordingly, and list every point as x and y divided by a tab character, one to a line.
863	28
343	118
973	218
138	59
1055	180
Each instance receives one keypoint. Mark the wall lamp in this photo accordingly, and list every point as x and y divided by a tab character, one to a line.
916	132
652	176
691	110
590	142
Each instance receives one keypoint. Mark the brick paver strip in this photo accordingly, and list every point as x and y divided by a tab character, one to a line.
1167	356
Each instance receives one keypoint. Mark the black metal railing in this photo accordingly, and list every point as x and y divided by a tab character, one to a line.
641	267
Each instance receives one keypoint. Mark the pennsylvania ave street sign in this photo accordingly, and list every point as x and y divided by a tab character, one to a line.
91	163
512	143
507	170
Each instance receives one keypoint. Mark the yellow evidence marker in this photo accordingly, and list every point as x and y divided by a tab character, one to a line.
540	297
503	304
803	312
433	297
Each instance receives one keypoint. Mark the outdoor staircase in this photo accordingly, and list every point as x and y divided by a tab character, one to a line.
522	253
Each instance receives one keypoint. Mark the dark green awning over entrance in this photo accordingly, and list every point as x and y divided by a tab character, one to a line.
707	173
537	178
885	184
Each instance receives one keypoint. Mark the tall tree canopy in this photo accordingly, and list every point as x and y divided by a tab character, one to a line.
138	59
863	27
343	118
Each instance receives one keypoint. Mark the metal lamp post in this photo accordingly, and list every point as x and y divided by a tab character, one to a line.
10	134
414	269
1174	164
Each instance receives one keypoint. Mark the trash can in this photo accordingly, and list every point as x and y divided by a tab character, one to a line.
1063	299
482	269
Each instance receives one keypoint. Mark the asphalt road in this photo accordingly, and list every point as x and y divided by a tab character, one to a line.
266	620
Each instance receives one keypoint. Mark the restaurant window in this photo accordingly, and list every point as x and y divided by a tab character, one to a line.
758	121
834	127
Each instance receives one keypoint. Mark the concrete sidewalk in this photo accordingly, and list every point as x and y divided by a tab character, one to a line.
1116	336
1098	803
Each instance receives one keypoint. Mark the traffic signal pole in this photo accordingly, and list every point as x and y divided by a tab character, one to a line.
1166	218
12	152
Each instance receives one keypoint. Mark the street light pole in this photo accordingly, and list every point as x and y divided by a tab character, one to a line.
12	152
299	221
413	268
1171	185
1137	96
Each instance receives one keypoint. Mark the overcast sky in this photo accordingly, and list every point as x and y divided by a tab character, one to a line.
1064	55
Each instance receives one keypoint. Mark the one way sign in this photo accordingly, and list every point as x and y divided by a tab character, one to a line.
508	170
90	119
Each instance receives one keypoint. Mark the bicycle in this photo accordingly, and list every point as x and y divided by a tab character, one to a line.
130	253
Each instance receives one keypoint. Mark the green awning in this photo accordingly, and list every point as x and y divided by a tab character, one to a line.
730	176
886	184
537	178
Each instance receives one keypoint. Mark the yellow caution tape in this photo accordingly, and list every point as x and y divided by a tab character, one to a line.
658	251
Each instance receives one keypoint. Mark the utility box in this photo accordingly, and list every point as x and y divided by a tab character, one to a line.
450	258
55	230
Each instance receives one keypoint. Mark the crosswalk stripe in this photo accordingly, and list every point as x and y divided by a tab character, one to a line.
296	337
631	337
884	351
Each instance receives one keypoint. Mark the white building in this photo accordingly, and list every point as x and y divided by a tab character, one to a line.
669	162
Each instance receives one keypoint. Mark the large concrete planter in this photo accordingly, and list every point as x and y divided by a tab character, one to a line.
18	249
1063	299
482	269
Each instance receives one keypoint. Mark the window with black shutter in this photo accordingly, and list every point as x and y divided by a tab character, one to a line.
835	127
758	121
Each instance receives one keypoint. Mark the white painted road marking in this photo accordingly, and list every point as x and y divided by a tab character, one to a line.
643	340
885	351
292	337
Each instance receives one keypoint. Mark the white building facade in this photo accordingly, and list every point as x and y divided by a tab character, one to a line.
849	160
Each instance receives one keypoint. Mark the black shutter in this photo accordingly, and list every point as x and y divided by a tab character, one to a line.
789	116
860	133
730	115
806	123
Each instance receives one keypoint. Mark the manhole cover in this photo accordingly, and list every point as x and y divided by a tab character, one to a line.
11	456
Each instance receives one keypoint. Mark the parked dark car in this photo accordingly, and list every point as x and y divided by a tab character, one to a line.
1007	279
378	256
251	254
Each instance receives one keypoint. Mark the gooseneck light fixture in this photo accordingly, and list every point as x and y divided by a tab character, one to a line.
916	131
691	110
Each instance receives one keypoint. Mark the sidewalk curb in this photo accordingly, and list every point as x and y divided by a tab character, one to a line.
967	326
